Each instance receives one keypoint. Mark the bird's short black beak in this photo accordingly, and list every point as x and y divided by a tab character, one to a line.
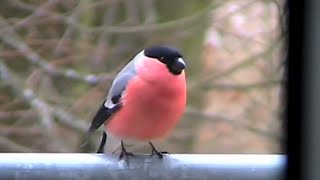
178	66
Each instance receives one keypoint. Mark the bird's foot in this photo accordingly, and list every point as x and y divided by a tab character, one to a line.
154	151
158	153
124	154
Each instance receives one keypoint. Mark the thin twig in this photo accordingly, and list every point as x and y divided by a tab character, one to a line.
15	147
22	5
204	79
151	16
132	29
242	87
17	114
133	13
103	44
239	9
9	38
20	131
69	32
38	11
28	95
150	27
217	117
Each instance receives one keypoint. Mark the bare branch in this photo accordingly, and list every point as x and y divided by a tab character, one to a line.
150	11
134	29
132	12
69	32
27	94
20	131
9	38
239	9
38	11
242	87
150	27
22	5
205	79
195	114
14	147
18	114
103	44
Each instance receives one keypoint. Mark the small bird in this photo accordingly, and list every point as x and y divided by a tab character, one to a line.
145	102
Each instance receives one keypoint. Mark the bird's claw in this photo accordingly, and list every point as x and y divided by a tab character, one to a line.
124	154
158	153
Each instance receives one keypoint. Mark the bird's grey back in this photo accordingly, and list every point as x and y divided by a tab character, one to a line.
120	82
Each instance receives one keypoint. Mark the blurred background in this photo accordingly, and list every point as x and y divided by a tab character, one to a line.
58	59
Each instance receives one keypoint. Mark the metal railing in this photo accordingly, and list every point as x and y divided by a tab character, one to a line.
174	166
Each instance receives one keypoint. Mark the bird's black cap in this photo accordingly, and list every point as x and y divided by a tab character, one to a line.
167	55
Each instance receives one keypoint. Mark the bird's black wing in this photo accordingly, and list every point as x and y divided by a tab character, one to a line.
113	102
101	116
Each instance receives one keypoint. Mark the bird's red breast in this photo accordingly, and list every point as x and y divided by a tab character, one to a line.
153	103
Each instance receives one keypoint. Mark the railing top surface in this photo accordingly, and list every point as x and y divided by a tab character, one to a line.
173	166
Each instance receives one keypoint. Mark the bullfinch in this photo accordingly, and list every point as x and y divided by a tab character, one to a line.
146	100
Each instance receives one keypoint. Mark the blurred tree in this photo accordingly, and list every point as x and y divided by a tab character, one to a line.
58	59
53	52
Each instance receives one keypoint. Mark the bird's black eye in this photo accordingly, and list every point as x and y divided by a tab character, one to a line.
162	59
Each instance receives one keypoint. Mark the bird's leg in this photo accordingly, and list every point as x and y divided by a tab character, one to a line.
124	154
102	143
156	152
